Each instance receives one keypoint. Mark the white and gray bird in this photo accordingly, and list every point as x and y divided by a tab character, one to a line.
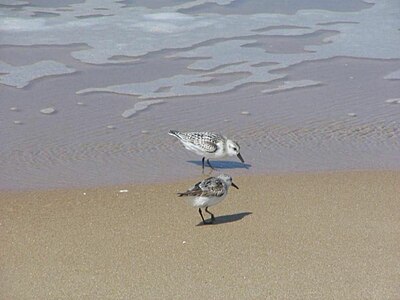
208	144
209	192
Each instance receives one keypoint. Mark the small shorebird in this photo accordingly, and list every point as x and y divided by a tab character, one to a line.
209	192
208	144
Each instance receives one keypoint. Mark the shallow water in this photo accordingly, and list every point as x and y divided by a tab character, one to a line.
314	80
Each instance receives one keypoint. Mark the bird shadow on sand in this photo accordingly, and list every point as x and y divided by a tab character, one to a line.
226	219
222	164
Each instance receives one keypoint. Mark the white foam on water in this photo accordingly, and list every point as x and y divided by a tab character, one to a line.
393	101
393	76
16	25
21	76
191	4
139	107
137	31
13	2
290	85
357	37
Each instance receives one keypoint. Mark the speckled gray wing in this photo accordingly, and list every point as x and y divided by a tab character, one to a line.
207	147
210	187
195	137
204	141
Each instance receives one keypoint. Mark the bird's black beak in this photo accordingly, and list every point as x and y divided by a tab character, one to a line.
240	157
234	185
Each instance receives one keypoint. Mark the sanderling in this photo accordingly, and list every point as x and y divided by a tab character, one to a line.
209	192
208	144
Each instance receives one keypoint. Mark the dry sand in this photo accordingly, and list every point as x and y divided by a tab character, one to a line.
297	236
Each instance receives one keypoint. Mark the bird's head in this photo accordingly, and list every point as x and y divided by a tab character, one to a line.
233	148
228	180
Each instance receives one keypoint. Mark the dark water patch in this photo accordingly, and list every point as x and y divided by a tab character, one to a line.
40	14
222	66
264	64
335	23
93	16
163	89
279	27
290	44
123	58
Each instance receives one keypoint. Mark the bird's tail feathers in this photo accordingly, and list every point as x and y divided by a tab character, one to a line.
174	133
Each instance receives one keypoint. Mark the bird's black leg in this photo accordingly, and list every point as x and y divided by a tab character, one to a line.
201	215
212	216
204	221
203	163
208	161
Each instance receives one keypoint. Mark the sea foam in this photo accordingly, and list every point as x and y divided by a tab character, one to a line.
119	30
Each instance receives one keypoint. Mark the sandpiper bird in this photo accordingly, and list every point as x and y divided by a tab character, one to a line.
209	192
208	144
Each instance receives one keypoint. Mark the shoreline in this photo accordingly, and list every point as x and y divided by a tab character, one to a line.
325	235
235	173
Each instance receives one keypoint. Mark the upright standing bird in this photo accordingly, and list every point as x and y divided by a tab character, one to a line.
209	192
208	144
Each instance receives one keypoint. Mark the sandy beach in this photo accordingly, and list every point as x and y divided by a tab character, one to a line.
297	236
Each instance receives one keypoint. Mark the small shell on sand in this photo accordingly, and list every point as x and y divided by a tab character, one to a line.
144	132
80	103
48	110
352	115
111	127
14	108
245	113
18	122
393	101
123	191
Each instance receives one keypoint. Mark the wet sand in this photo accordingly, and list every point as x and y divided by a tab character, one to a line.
306	129
297	236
